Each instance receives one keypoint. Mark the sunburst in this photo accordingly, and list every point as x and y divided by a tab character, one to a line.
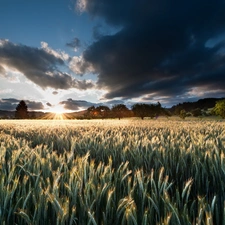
58	111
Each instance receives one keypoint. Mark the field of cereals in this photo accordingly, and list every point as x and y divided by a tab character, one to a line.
127	172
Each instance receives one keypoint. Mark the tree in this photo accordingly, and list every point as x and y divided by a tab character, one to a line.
183	114
141	110
166	112
102	111
147	110
219	108
176	109
155	110
119	111
91	112
196	112
21	110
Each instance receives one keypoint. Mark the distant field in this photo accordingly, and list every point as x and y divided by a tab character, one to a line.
155	172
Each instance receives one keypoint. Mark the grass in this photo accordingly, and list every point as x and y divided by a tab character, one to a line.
112	172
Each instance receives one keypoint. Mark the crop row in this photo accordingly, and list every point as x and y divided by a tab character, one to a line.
109	172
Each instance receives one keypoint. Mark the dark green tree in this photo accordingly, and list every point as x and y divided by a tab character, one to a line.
166	112
183	114
21	111
147	110
219	108
196	112
155	110
141	110
119	111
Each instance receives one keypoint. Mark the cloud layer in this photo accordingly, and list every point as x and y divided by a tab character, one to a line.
72	104
11	104
40	65
69	104
161	49
75	105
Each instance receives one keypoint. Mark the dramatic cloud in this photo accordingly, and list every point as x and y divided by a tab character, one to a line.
75	44
8	104
79	66
32	105
58	54
72	104
161	49
76	104
41	66
5	105
11	104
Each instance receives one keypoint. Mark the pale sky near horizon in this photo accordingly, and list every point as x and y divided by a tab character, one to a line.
68	54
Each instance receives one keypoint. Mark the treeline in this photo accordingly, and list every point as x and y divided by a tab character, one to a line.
203	107
119	111
202	104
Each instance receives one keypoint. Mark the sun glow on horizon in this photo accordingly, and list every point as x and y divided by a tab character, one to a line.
58	109
58	112
59	116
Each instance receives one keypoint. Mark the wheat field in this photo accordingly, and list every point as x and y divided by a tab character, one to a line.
127	172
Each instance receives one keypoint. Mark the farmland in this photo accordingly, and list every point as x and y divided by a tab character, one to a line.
125	172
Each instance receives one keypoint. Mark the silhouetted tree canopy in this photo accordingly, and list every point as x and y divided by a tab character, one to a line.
155	110
102	111
147	110
196	112
21	110
97	112
119	111
140	110
91	111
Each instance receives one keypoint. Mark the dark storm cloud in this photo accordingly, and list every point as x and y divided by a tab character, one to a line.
76	104
8	104
39	65
161	47
83	84
97	34
75	43
33	105
72	104
11	104
10	100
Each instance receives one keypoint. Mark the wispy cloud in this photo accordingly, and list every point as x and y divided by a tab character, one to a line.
75	44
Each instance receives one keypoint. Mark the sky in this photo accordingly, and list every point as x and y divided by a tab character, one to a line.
72	54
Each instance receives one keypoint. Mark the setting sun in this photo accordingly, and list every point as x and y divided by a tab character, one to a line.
58	109
58	112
